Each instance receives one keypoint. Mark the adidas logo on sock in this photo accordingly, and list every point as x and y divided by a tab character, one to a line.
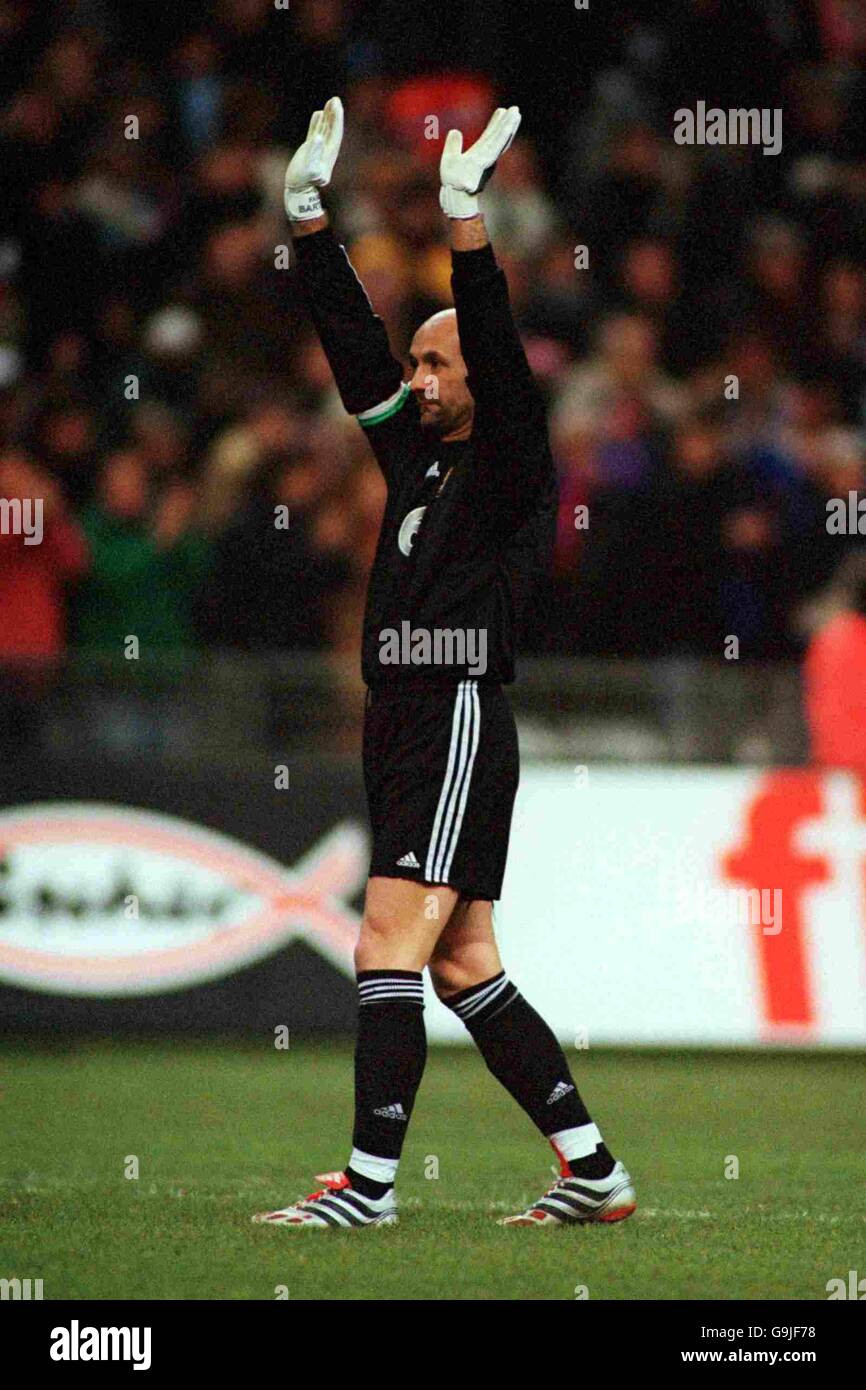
561	1089
392	1112
408	862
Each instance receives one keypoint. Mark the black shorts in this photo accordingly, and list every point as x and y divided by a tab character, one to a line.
441	769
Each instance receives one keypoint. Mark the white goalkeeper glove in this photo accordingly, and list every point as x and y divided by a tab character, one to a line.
464	173
313	163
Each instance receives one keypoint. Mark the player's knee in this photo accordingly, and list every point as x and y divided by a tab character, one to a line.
448	976
460	961
385	941
373	937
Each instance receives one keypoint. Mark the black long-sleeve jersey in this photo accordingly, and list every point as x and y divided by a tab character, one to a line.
469	526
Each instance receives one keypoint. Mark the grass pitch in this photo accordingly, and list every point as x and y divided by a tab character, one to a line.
221	1131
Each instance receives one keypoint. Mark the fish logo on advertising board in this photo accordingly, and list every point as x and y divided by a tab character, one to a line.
109	900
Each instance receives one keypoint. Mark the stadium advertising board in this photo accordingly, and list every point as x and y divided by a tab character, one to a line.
651	906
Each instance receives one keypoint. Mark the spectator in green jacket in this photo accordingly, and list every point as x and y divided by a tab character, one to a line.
147	564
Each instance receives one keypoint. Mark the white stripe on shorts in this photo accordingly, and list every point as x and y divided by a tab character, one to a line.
465	731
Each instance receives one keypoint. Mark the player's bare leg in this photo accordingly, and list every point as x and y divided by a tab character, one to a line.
523	1054
401	924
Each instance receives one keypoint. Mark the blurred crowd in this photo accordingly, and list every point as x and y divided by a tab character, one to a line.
696	316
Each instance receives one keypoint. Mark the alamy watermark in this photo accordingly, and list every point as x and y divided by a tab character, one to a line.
739	907
438	646
22	516
738	126
77	1343
846	516
20	1289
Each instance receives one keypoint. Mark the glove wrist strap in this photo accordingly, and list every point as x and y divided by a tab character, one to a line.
302	204
455	203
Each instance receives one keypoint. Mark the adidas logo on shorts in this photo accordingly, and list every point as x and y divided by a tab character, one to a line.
392	1112
408	862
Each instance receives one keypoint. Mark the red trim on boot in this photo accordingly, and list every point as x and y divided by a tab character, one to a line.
564	1170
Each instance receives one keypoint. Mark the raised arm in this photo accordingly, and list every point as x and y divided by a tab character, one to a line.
509	407
489	339
369	378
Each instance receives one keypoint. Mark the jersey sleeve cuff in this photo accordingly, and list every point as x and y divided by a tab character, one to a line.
377	413
467	266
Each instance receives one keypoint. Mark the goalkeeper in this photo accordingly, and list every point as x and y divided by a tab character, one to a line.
467	530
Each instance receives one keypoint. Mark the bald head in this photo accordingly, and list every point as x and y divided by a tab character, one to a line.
442	327
439	377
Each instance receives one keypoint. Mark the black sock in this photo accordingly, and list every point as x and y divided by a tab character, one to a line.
390	1053
524	1055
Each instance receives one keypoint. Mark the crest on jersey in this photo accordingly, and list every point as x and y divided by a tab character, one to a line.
409	529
